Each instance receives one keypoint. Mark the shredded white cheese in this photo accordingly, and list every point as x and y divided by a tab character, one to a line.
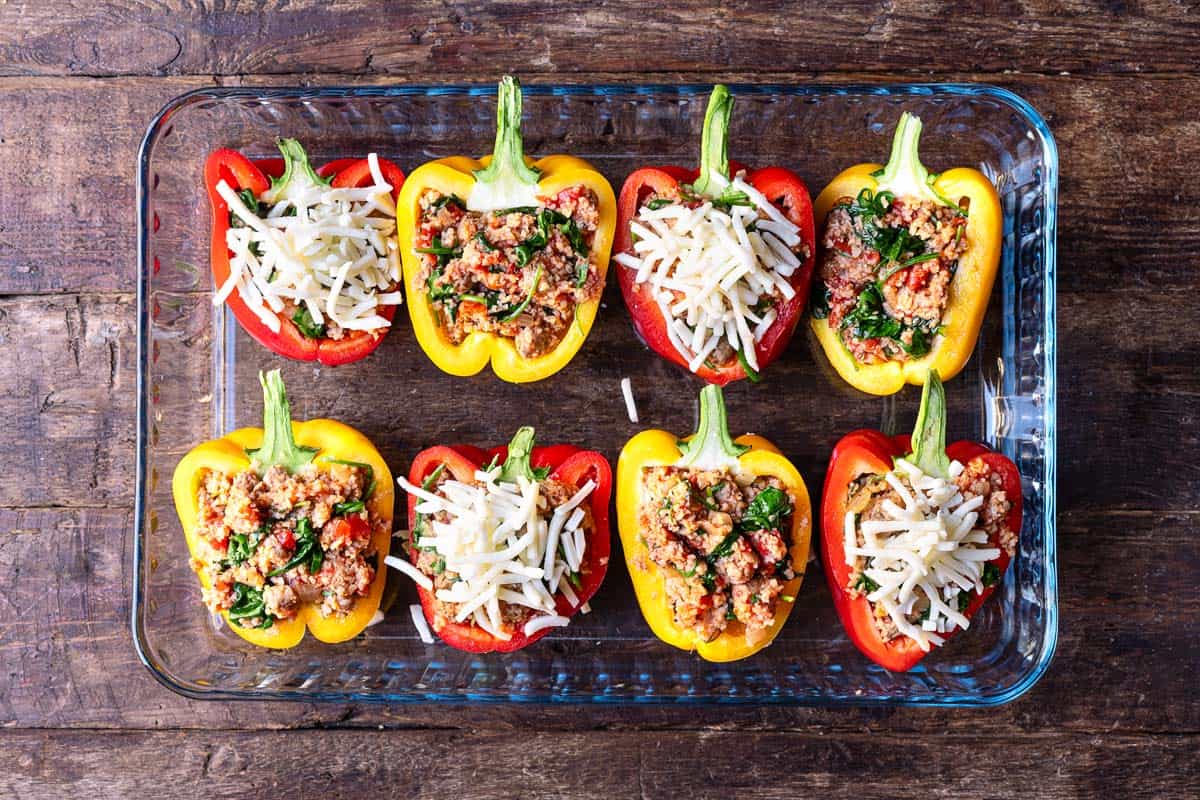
336	255
707	269
630	405
418	617
420	578
931	544
505	544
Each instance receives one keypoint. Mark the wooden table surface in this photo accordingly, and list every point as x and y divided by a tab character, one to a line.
1117	715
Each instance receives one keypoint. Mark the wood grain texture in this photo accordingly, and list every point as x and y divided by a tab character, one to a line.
71	400
79	716
68	402
427	764
357	37
70	662
1116	181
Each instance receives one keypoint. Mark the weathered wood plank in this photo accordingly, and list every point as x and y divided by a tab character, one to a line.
68	400
70	662
361	38
321	764
1108	131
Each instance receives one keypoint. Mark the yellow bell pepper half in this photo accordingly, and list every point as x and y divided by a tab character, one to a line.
507	179
709	447
972	284
292	444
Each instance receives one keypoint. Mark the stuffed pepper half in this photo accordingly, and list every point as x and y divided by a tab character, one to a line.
715	533
715	263
506	544
286	525
907	265
915	535
306	259
505	258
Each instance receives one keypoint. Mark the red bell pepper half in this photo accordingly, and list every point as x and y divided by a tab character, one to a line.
563	462
781	186
241	173
869	452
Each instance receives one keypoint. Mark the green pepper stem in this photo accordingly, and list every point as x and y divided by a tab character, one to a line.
507	168
295	162
904	174
520	449
278	445
711	446
714	143
929	435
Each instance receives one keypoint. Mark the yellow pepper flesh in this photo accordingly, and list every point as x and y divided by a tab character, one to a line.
457	176
333	440
969	291
660	448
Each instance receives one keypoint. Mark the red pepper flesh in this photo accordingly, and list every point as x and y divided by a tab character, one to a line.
871	452
568	464
785	190
242	173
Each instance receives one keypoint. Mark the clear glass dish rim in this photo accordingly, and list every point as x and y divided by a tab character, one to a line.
1049	478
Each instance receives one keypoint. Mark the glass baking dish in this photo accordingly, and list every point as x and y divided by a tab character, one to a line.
197	380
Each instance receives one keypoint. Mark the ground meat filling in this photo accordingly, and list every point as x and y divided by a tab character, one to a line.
724	558
513	616
866	497
273	542
519	273
885	273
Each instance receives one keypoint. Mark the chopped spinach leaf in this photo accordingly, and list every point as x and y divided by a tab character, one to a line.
659	202
766	511
248	604
307	325
427	485
869	206
964	601
484	244
448	199
243	545
751	373
574	236
730	198
725	547
509	316
864	584
348	507
991	574
308	550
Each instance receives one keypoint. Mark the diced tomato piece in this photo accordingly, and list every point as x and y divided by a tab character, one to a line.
286	537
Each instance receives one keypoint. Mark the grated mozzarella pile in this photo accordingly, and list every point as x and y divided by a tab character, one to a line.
930	544
706	268
505	545
335	255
